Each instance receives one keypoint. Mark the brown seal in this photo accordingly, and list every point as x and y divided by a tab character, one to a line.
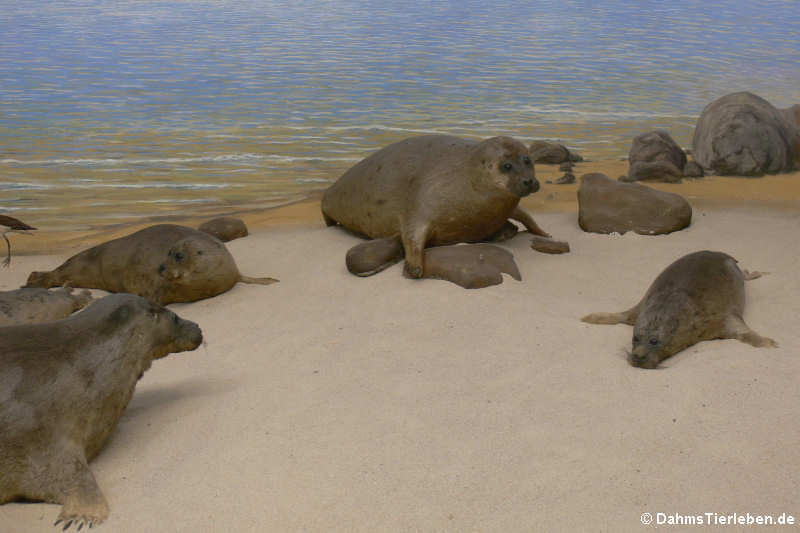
164	263
32	306
63	388
698	297
225	228
434	190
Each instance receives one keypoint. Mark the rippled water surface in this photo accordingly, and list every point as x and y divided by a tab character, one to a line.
114	110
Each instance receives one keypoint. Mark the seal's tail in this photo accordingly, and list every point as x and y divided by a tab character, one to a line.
260	281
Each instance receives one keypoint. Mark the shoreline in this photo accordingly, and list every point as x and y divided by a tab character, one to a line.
779	192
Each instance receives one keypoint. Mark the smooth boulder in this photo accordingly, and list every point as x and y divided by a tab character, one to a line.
225	228
608	206
655	156
551	153
743	134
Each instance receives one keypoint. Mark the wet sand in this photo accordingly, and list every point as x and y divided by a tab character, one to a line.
779	192
329	403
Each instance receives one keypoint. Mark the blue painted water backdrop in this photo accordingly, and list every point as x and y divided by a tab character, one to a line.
114	110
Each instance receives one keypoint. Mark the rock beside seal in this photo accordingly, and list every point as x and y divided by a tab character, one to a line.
549	246
698	297
655	156
434	190
225	228
164	263
472	266
743	134
552	153
608	206
33	306
64	386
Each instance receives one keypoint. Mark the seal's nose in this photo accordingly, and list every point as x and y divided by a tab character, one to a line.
531	184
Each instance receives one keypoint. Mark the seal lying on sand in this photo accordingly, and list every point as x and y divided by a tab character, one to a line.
434	190
64	386
164	263
33	306
698	297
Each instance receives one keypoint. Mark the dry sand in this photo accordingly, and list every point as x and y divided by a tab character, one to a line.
329	403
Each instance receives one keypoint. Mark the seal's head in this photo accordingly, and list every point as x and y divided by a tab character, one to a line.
662	331
162	331
197	258
507	166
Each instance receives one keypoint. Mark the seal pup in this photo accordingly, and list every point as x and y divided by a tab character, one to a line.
698	297
164	263
63	388
32	306
12	225
434	190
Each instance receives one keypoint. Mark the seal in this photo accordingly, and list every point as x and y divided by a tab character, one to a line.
434	190
698	297
32	306
63	388
164	263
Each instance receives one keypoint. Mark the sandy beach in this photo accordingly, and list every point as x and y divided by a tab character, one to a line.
328	402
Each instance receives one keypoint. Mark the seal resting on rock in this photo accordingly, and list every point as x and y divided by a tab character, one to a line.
32	306
164	263
698	297
63	388
434	190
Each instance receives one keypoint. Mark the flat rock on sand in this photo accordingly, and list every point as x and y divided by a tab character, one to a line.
608	206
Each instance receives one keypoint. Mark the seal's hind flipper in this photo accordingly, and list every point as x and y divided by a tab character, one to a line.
472	266
736	328
752	275
373	256
259	281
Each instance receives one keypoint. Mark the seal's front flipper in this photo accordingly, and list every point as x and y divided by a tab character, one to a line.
472	266
625	317
735	328
371	257
84	504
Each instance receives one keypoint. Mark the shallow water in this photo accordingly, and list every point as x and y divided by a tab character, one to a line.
115	110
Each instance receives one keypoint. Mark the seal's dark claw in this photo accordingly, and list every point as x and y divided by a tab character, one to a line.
80	526
58	522
66	526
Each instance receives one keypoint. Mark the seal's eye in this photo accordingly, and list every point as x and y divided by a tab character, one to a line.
507	166
526	160
653	341
178	256
199	252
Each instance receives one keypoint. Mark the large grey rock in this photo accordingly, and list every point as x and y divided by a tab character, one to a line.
655	156
607	206
743	134
551	153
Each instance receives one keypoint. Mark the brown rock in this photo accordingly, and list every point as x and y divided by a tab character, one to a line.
225	228
607	206
549	246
